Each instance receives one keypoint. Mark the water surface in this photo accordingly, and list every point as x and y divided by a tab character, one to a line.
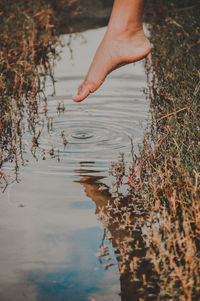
52	228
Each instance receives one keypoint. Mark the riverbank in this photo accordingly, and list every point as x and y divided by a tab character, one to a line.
165	177
159	221
30	34
28	42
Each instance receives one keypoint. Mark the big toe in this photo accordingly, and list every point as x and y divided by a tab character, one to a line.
83	92
86	88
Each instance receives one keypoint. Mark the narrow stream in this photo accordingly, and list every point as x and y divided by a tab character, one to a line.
51	226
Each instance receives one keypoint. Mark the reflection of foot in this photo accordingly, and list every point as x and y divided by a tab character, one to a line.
95	190
113	52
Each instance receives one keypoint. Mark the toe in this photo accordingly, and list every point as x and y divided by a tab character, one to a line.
85	89
83	92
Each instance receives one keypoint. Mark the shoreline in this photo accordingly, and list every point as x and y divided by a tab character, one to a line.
168	181
166	189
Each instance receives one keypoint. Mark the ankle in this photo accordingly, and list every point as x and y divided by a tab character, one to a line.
126	32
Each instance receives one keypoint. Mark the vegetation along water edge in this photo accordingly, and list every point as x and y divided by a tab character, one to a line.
164	178
164	192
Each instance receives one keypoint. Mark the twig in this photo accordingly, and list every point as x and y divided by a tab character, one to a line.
2	173
178	25
140	166
187	7
4	176
170	114
175	112
196	90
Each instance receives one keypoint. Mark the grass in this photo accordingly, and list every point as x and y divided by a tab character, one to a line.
28	40
167	184
163	198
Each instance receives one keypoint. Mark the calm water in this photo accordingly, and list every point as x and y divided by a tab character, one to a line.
52	223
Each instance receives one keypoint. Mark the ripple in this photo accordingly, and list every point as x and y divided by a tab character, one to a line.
104	125
84	134
92	134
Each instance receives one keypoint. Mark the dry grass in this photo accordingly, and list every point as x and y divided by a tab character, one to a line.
28	41
167	185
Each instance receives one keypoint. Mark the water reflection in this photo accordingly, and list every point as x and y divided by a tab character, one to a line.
49	233
120	217
49	241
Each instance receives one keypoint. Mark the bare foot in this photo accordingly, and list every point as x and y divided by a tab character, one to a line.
113	52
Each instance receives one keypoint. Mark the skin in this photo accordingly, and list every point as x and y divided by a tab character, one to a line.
124	42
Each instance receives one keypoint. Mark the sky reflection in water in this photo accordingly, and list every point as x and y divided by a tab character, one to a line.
49	234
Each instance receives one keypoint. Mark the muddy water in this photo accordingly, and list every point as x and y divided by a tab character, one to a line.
51	227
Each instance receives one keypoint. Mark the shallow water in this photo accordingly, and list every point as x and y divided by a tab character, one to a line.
51	226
